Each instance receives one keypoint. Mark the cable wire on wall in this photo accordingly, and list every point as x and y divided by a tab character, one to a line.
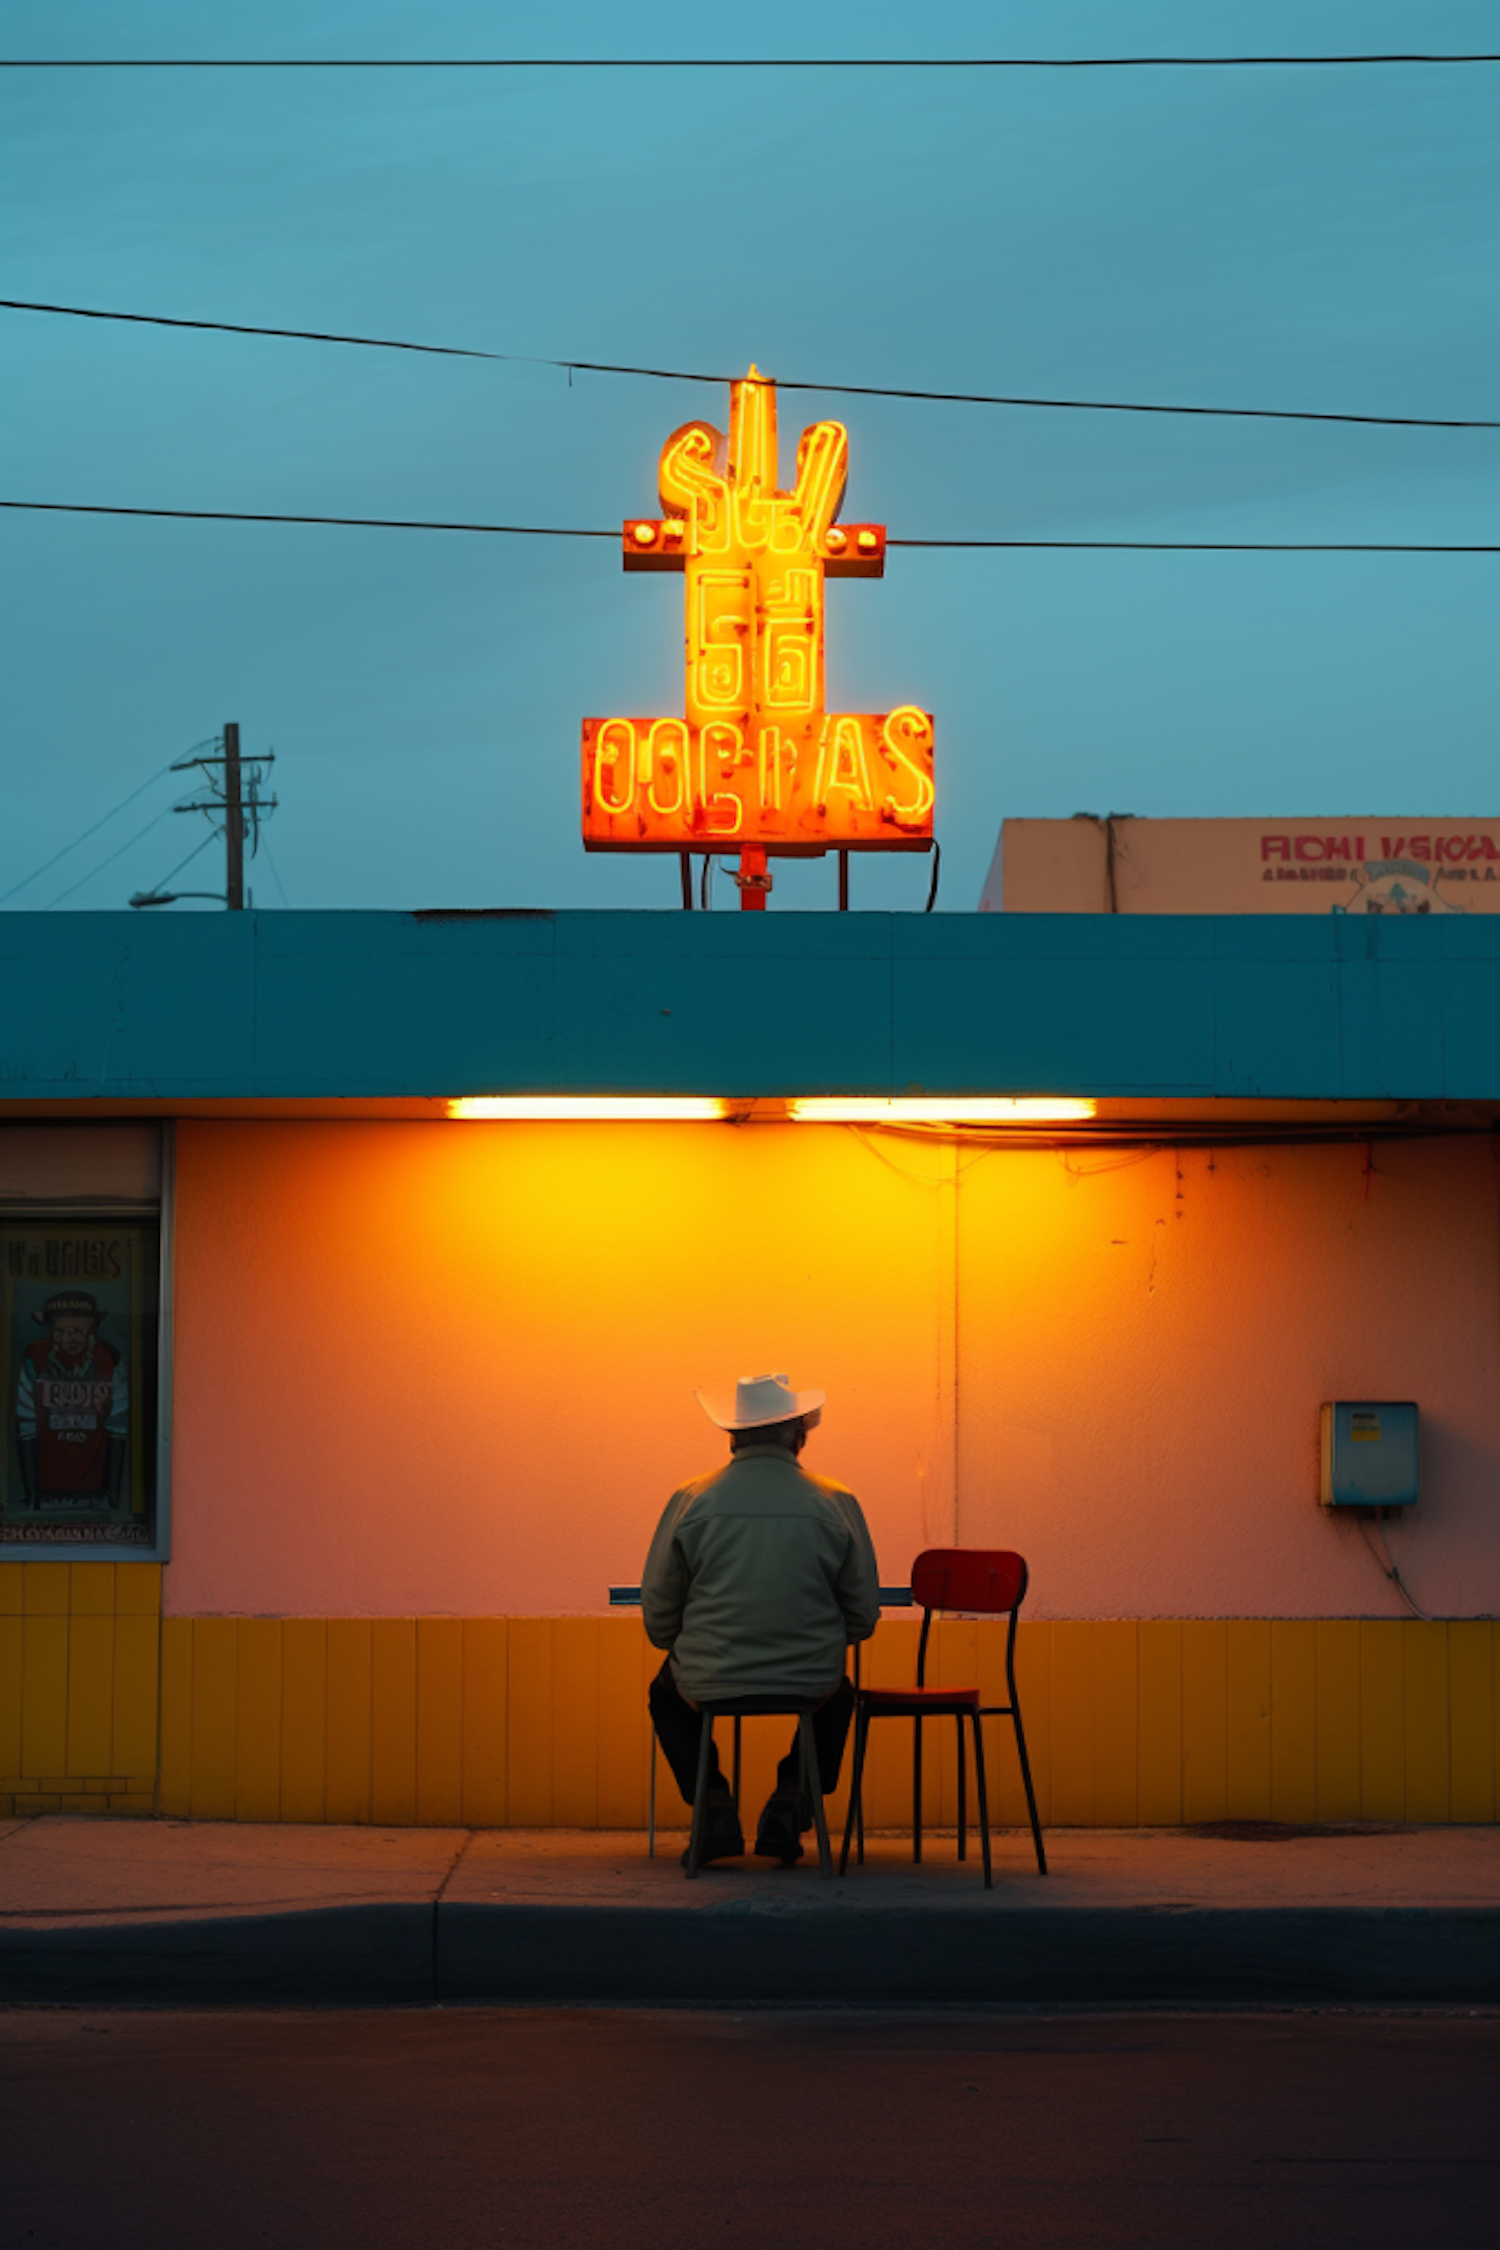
1389	1570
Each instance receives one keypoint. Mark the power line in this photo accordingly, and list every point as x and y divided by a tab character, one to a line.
684	375
1227	546
83	839
275	870
718	62
369	523
107	861
201	846
556	531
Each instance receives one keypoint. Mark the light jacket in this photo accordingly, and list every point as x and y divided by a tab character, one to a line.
758	1577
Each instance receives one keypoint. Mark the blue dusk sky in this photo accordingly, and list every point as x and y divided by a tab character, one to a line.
1317	238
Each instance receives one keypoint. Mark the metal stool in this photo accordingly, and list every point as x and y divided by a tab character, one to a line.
769	1707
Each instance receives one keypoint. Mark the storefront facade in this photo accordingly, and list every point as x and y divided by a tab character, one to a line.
402	1394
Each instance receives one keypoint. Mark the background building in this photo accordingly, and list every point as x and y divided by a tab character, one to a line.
1115	864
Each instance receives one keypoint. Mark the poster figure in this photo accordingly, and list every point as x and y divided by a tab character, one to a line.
72	1408
78	1396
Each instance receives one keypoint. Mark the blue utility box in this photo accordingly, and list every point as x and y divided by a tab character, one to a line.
1369	1453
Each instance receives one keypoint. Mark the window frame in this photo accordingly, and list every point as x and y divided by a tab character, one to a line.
164	1210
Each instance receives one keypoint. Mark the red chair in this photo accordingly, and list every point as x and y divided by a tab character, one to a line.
991	1582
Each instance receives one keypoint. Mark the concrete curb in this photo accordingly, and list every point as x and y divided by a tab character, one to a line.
380	1954
416	1952
1145	1955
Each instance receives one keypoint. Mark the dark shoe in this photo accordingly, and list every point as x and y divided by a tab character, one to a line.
723	1837
779	1835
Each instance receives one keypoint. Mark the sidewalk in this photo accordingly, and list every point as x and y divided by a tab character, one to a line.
161	1911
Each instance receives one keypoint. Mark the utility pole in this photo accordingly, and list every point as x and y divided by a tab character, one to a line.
234	821
233	801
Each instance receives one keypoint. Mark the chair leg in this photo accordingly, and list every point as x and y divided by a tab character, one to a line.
1036	1826
855	1824
916	1791
963	1807
700	1795
651	1807
812	1782
738	1730
984	1803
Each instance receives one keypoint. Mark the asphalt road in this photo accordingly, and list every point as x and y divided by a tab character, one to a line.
454	2128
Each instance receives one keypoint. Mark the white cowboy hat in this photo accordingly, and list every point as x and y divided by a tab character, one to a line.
758	1401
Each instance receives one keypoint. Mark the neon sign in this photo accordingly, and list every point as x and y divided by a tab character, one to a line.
756	764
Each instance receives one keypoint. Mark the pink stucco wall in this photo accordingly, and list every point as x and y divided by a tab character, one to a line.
1145	1343
426	1369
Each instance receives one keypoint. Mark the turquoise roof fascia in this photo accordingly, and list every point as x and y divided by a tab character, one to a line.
312	1005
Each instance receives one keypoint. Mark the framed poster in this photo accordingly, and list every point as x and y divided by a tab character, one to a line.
79	1342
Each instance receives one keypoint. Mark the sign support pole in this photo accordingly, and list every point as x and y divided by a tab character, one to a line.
754	879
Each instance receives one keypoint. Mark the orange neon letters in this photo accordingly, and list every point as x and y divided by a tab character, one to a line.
756	758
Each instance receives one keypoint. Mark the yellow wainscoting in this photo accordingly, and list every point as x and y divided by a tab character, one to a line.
79	1652
541	1722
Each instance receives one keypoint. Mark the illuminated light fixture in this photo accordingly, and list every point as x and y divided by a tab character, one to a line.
645	535
933	1109
656	1109
836	542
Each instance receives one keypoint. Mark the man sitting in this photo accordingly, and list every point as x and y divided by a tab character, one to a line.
759	1576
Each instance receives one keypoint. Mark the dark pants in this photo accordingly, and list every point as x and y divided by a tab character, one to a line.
679	1730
